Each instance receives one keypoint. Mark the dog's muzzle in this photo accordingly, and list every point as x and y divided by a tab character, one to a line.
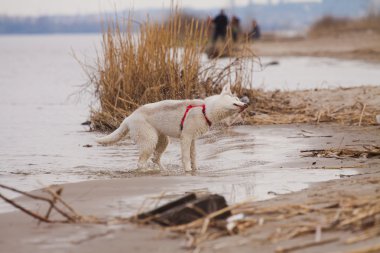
242	107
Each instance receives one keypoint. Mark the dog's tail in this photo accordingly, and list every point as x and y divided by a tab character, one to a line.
116	135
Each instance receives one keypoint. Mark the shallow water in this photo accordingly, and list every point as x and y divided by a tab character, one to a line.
293	73
42	141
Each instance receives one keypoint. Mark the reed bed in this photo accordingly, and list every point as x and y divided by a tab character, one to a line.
346	106
341	213
161	61
168	61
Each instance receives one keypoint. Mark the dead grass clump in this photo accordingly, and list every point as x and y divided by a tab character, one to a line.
329	25
279	222
346	106
161	61
340	153
356	213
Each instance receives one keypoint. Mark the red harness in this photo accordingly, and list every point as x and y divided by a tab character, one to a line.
188	108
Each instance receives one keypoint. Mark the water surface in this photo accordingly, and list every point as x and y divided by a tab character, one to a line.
43	142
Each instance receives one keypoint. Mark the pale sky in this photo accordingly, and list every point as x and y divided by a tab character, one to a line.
53	7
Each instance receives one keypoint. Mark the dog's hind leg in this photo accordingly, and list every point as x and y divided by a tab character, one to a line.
193	155
146	138
185	149
162	143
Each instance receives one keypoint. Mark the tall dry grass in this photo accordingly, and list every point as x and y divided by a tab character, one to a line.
165	61
161	61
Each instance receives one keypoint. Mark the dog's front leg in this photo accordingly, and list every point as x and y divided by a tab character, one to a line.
193	155
185	149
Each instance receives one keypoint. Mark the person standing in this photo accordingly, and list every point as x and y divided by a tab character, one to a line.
220	26
235	28
255	33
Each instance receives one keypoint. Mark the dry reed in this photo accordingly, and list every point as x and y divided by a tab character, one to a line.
340	153
161	61
279	221
317	106
286	221
166	61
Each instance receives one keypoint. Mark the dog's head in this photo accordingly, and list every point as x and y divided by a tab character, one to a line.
227	102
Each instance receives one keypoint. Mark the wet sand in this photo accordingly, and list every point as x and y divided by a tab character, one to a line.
348	240
243	162
118	197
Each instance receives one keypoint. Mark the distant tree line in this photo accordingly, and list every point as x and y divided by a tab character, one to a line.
50	24
282	16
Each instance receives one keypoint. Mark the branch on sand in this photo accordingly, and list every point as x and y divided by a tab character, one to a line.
341	211
55	202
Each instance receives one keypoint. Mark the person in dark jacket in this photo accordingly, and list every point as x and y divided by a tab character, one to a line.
220	26
255	33
235	28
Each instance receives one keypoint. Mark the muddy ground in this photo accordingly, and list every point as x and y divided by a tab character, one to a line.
109	198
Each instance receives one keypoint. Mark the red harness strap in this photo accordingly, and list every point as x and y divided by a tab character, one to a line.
188	108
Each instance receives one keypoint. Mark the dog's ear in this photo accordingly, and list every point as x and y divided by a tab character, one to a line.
226	89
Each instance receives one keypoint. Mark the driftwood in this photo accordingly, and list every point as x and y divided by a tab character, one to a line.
186	209
55	203
305	245
366	152
340	212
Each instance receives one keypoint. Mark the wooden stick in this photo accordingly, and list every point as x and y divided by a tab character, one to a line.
59	191
58	197
364	235
310	136
205	226
370	249
361	115
199	222
305	245
312	150
34	215
70	218
25	193
319	116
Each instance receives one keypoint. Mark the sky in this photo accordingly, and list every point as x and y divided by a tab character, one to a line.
70	7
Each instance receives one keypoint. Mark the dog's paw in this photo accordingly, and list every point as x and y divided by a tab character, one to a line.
149	168
189	169
158	165
147	171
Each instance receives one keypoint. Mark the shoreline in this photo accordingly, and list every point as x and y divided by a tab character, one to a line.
296	196
362	186
358	45
108	198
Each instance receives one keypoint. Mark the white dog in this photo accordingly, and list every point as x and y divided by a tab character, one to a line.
151	124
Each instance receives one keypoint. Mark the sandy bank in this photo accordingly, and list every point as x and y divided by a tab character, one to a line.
356	45
116	197
304	224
